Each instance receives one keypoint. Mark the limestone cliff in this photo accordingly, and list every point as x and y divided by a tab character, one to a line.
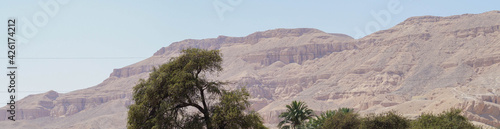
424	64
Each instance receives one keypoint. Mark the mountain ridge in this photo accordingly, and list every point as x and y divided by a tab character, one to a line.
424	64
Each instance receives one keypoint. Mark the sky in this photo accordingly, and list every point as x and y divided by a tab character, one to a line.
66	45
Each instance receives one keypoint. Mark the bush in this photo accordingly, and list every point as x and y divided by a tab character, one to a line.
342	121
345	118
450	119
317	123
389	120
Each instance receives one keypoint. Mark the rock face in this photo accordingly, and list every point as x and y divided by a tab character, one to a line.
424	64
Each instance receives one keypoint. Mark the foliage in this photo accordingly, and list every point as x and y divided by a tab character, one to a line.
162	100
194	121
345	110
389	120
317	123
448	119
345	118
349	120
297	112
229	112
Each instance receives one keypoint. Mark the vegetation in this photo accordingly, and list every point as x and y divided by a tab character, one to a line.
162	101
345	118
297	113
317	123
349	120
389	120
229	113
448	119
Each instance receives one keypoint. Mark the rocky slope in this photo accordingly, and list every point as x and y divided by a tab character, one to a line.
424	64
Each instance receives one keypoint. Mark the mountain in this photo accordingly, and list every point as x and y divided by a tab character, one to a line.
424	64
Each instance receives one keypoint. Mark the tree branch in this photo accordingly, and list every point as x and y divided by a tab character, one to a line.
189	104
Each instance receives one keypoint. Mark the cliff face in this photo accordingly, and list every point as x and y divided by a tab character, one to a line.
296	54
424	64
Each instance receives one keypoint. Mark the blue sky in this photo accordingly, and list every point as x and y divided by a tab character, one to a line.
83	41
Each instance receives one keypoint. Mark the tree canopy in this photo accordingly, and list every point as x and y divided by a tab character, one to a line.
317	123
450	119
297	112
346	118
229	112
162	101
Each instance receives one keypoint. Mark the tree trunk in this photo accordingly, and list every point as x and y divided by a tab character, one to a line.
206	113
208	121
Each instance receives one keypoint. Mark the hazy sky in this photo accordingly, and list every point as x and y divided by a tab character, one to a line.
77	44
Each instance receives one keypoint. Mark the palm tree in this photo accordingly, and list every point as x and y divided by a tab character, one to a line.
296	113
316	123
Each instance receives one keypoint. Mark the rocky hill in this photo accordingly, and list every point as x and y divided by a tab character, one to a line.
424	64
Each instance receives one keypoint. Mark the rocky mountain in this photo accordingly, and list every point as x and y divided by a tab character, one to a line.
424	64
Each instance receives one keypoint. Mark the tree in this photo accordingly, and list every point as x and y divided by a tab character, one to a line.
228	114
296	113
450	119
162	101
389	120
349	120
317	123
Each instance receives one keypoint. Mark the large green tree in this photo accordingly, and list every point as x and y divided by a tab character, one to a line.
297	112
178	95
228	114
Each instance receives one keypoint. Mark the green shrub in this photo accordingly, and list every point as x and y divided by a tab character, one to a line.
348	120
389	120
450	119
345	118
317	123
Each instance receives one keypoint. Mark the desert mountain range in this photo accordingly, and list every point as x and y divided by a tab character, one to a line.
423	64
